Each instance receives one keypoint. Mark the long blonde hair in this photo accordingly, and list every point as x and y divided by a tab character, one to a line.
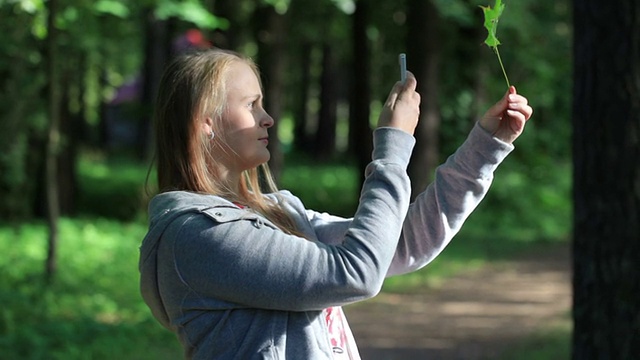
192	88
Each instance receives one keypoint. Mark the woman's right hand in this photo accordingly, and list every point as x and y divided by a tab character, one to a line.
402	108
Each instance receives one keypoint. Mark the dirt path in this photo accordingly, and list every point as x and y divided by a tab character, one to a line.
471	316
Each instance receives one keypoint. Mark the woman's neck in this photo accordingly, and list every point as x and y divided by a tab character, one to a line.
230	181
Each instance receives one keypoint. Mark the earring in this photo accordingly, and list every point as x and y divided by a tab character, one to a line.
211	135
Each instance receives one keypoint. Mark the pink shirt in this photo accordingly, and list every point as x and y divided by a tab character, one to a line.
340	336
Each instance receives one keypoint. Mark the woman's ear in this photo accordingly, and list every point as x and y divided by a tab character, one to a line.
207	127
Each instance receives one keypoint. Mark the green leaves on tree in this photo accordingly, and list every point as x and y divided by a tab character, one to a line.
491	17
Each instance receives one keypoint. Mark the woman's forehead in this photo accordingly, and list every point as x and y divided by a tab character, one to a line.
241	77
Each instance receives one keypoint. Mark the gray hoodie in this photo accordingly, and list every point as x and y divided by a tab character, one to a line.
231	285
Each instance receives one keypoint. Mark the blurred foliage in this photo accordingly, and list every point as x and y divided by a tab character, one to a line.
103	43
331	187
115	188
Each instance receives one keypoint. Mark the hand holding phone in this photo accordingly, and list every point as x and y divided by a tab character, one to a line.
402	108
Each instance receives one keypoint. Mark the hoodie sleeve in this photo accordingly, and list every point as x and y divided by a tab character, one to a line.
438	213
248	262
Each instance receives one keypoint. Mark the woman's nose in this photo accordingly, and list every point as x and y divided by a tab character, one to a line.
266	120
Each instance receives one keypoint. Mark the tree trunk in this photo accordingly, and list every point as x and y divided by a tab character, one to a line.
227	38
606	191
326	134
301	141
156	56
360	142
66	154
19	89
271	35
53	142
423	56
475	59
103	131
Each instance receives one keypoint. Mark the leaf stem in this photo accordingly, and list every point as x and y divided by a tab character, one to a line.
495	49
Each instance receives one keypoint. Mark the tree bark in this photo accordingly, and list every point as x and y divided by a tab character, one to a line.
227	38
475	59
423	57
301	141
327	121
19	89
156	55
69	127
360	133
606	191
53	142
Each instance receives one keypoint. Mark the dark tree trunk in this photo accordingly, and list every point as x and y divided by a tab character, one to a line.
301	116
606	191
325	143
270	33
474	65
103	132
360	142
423	56
53	142
227	38
20	92
66	154
157	51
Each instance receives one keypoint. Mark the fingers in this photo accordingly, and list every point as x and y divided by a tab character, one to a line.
510	104
402	108
516	115
499	108
401	90
518	112
393	95
411	82
518	104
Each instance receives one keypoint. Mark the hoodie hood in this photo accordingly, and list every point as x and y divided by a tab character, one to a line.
163	210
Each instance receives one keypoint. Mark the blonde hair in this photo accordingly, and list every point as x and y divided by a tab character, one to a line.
192	88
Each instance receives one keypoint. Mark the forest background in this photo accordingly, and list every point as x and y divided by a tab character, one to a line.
78	77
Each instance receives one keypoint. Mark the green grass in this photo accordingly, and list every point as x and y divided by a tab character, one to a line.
93	310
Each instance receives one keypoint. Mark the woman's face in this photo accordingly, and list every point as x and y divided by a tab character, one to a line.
245	122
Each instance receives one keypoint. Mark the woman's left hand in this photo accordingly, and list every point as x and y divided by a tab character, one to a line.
507	118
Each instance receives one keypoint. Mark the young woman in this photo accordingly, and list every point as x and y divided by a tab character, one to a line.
240	272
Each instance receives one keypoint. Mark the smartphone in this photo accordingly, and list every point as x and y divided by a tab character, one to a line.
402	58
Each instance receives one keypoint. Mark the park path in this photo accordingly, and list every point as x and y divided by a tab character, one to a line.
473	315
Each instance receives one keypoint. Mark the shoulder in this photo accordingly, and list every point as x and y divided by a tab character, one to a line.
186	199
188	214
283	197
168	206
289	202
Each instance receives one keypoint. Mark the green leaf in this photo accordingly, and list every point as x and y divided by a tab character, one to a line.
191	11
491	17
111	7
